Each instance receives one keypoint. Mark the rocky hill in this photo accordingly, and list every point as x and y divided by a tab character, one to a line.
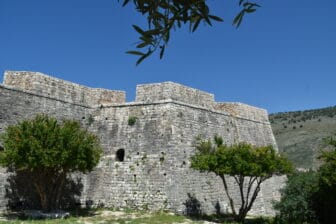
300	134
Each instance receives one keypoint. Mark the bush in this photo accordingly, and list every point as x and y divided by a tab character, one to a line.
49	150
311	197
296	205
131	120
325	200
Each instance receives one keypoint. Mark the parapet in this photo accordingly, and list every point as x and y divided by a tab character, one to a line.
243	111
41	84
173	91
47	86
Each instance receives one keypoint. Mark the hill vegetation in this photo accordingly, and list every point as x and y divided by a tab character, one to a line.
300	134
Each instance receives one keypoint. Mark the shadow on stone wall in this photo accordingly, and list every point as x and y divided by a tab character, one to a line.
218	208
21	193
193	206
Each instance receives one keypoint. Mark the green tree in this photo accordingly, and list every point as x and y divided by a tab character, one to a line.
311	197
248	165
327	170
297	204
49	150
166	15
325	200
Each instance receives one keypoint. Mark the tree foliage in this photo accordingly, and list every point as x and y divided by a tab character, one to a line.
49	150
311	197
325	200
248	165
165	15
297	199
327	170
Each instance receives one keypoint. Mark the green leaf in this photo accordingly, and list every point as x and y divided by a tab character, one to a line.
238	19
147	39
216	18
178	23
250	10
125	3
139	30
156	31
144	56
207	20
166	36
142	45
162	51
196	24
135	53
141	59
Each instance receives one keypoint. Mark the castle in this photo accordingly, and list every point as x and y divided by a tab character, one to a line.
147	143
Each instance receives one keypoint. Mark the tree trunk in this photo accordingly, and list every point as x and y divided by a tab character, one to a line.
247	206
41	191
49	188
58	190
240	218
228	195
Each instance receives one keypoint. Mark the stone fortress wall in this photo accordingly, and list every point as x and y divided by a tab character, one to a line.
38	83
173	91
155	170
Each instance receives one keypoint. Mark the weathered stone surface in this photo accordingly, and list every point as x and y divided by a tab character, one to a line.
155	172
43	85
172	91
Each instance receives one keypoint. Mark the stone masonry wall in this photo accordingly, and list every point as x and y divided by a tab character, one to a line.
173	91
17	105
243	111
155	173
189	122
44	85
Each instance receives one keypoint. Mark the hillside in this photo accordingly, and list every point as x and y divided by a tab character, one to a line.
300	134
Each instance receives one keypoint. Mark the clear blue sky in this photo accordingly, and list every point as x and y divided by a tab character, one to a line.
282	58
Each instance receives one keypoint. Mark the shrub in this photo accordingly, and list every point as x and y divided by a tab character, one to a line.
296	205
325	200
48	150
131	120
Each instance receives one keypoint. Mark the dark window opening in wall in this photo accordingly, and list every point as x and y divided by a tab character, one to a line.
120	155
